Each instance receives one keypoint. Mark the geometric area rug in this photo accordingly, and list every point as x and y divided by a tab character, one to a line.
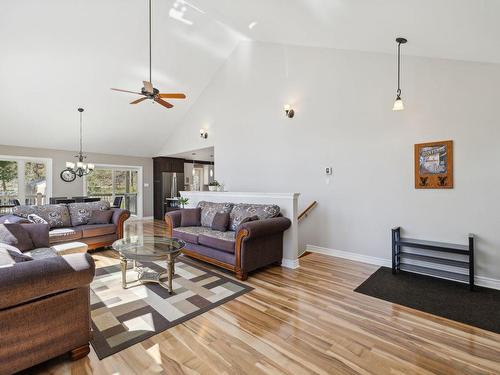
124	317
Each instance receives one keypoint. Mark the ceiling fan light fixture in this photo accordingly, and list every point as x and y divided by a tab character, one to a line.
148	91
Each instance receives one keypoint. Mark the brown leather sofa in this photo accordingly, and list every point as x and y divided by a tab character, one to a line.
44	304
69	222
249	246
94	235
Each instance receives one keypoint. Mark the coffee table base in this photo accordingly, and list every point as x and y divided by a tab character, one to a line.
145	275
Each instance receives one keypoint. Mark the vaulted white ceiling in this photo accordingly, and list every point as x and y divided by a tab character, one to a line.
57	55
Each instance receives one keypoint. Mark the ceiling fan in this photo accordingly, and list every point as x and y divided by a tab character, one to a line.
149	91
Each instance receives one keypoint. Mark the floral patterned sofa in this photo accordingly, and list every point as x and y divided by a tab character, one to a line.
253	239
93	223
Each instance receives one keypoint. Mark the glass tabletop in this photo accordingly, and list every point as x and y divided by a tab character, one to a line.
147	248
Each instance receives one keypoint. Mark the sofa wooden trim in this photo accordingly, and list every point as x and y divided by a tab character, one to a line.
120	227
240	237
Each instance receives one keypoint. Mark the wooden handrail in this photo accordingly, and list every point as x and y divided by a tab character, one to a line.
306	211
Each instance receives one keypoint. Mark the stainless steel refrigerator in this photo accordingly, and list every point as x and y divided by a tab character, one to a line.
171	185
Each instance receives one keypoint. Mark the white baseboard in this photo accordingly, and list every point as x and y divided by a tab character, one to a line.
486	282
290	263
137	218
349	255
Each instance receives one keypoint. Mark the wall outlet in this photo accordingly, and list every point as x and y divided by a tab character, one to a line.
329	171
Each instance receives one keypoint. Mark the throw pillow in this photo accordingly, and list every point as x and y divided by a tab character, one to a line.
209	209
221	221
80	212
243	210
191	217
34	218
100	217
57	215
16	235
10	255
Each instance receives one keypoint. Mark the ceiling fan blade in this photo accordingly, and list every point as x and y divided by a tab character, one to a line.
138	100
131	92
173	96
163	103
148	86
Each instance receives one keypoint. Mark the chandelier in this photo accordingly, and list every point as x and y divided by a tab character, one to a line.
79	169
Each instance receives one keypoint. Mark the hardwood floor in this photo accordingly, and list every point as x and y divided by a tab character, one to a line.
301	321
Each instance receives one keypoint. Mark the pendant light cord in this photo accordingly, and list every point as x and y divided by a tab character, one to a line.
81	134
150	80
399	68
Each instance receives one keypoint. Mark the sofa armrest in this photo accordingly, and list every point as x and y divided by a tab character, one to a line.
265	227
118	218
26	281
172	220
259	243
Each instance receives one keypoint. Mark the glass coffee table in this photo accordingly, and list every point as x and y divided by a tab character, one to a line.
138	249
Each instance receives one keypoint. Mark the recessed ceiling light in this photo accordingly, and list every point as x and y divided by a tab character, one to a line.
252	25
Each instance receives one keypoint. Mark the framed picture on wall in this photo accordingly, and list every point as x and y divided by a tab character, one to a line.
434	165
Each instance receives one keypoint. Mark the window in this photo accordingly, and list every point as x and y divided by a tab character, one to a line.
26	179
110	182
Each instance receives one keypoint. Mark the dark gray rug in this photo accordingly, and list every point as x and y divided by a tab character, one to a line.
448	299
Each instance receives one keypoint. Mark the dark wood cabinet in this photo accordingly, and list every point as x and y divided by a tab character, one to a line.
160	165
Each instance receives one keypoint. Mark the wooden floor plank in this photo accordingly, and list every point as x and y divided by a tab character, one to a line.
303	321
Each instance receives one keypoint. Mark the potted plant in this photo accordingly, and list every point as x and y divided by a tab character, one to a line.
183	201
213	186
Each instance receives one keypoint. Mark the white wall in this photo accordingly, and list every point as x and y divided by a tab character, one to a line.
343	102
75	188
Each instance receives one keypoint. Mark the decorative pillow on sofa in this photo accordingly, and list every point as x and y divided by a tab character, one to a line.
221	221
23	211
191	217
100	217
81	212
34	218
209	209
10	255
15	235
246	220
57	215
243	210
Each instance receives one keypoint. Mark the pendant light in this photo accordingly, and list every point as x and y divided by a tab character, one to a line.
398	103
80	168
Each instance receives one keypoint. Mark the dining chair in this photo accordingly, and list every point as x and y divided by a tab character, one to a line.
64	201
91	199
117	202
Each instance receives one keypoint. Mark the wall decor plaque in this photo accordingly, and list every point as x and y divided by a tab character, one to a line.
434	165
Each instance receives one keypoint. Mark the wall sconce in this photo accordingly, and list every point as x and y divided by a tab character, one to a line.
203	134
289	112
